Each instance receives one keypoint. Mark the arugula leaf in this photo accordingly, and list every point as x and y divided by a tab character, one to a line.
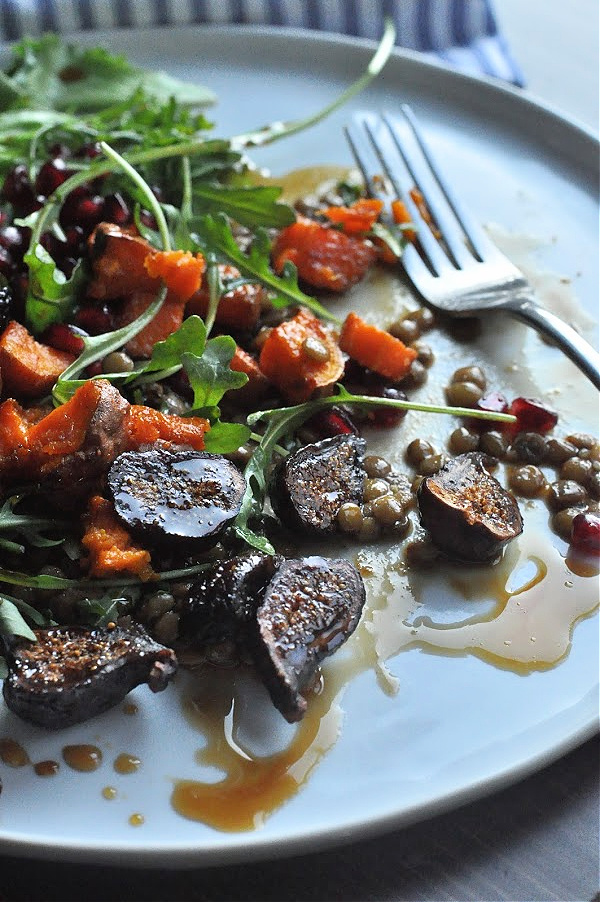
166	355
211	376
51	296
251	206
97	347
225	438
277	130
12	622
30	526
214	234
48	73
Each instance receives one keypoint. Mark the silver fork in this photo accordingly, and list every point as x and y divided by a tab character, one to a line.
453	264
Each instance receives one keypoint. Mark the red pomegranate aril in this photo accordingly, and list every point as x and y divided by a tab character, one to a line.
88	151
14	239
585	533
64	338
52	174
68	213
493	401
148	220
88	212
94	369
7	264
116	210
385	417
74	240
94	319
17	185
532	416
332	422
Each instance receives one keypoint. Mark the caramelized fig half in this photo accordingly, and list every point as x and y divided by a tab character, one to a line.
175	495
310	608
467	512
73	673
220	607
314	482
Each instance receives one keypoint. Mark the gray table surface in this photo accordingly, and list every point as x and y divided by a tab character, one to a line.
536	840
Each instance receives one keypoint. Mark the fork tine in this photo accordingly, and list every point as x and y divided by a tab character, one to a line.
476	236
447	228
375	153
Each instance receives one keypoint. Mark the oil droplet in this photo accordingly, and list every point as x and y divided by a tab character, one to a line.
46	769
13	754
126	763
82	757
109	793
130	708
136	820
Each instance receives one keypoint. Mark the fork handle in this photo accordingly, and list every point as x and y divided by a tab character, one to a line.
564	336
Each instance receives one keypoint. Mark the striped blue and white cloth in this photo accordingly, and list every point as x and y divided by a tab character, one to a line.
463	33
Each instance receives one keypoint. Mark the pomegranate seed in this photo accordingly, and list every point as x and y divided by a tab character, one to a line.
532	416
75	240
333	422
15	182
6	263
94	369
64	338
148	220
383	417
59	150
116	210
94	319
585	534
493	401
89	212
88	151
15	240
52	174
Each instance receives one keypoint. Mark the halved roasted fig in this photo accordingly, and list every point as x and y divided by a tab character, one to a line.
310	608
175	495
467	512
71	674
221	604
312	484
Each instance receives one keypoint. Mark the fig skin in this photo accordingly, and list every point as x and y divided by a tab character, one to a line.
220	607
174	495
311	484
468	513
71	674
310	608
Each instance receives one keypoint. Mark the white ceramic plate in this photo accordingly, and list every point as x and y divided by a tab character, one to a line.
458	727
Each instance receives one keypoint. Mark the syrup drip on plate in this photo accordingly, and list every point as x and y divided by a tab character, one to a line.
253	785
